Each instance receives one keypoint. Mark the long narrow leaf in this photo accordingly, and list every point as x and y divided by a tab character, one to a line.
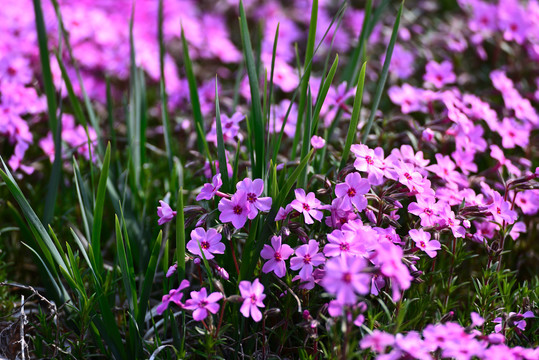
221	155
354	120
98	211
383	77
193	94
256	118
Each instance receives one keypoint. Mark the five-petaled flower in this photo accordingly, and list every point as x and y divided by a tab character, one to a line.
253	295
307	205
209	241
276	254
201	303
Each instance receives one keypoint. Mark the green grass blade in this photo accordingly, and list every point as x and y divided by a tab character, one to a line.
352	66
128	276
323	94
256	118
354	120
47	246
383	77
149	279
56	175
193	94
162	88
304	84
306	144
48	84
180	235
98	212
221	155
83	197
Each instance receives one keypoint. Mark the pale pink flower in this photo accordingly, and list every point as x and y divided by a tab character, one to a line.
307	256
201	303
234	210
209	242
210	189
165	213
424	243
253	295
307	205
276	254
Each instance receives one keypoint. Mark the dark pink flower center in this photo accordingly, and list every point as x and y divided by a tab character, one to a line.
307	259
422	244
428	211
253	299
498	210
306	207
347	278
407	176
203	303
277	256
205	245
12	71
237	210
251	197
351	192
369	160
344	246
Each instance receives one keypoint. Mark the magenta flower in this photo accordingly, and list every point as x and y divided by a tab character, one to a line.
439	74
342	243
253	295
513	133
201	303
445	169
307	256
501	210
389	258
427	209
352	191
317	142
174	295
378	341
253	189
210	189
277	253
307	205
209	242
171	270
370	161
410	177
165	213
344	278
234	210
423	242
283	212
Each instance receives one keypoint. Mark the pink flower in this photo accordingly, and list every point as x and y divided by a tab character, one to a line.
501	210
445	169
209	190
370	161
423	242
174	295
307	256
253	189
344	278
513	133
317	142
427	209
410	177
277	253
283	212
201	303
209	242
439	74
352	191
253	295
307	205
165	213
389	258
234	210
171	270
378	341
342	243
427	135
